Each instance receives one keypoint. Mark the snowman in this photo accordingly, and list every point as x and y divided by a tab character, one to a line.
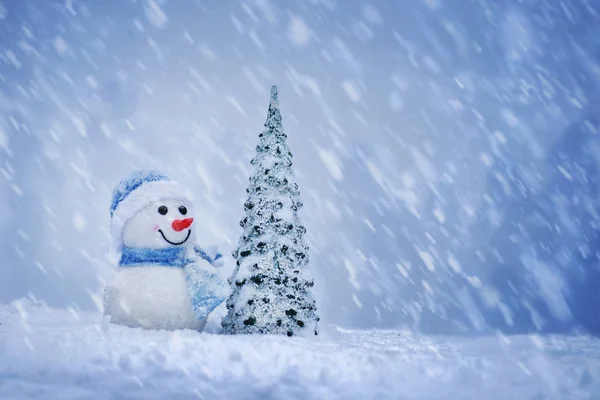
164	280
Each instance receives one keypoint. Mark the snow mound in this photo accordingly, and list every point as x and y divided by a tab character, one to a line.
48	354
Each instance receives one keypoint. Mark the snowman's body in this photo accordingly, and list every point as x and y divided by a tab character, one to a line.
163	281
151	297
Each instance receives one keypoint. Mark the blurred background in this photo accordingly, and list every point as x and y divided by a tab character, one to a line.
447	152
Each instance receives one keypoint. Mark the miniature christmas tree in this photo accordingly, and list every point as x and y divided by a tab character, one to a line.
271	287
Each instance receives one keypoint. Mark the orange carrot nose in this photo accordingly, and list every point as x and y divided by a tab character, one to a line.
181	224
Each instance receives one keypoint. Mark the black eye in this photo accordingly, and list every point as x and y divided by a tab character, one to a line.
183	210
163	210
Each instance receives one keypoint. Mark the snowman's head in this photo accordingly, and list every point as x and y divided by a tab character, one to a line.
151	210
161	224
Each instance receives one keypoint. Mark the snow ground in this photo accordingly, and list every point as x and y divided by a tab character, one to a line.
59	354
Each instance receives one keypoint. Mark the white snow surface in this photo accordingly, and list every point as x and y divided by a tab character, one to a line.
59	354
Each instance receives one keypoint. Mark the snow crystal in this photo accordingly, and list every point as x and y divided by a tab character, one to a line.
471	310
205	178
506	313
79	222
536	318
28	344
509	117
388	231
402	270
400	82
298	32
207	52
333	164
469	210
97	300
426	286
550	284
14	123
256	40
423	164
362	31
250	13
357	301
298	81
80	126
60	45
13	59
396	102
17	189
408	180
351	91
486	159
439	215
19	251
432	64
517	35
138	25
495	217
236	105
474	281
352	271
155	15
5	172
333	209
454	264
427	259
73	313
372	14
3	140
370	225
342	51
41	267
267	10
188	37
92	81
588	125
237	23
253	80
565	173
500	137
456	105
433	4
69	7
201	80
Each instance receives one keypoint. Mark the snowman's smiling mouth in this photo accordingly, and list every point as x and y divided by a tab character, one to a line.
176	243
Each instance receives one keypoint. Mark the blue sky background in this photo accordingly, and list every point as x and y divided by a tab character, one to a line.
447	151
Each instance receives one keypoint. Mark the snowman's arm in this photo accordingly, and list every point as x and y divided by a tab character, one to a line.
211	255
206	289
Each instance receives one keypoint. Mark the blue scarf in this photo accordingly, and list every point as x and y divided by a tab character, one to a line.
169	257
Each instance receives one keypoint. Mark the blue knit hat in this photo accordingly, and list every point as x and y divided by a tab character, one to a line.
134	193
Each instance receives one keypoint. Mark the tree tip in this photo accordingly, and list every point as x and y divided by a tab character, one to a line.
274	97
